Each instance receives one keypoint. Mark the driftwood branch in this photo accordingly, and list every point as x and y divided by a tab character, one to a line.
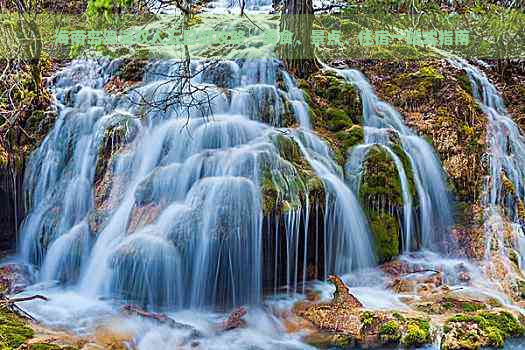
161	318
234	320
9	301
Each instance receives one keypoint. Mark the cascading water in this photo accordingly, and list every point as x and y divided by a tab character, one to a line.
347	235
381	120
183	214
199	178
506	154
506	145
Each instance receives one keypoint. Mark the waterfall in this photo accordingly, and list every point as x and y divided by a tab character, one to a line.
506	155
181	220
347	234
506	145
381	120
354	170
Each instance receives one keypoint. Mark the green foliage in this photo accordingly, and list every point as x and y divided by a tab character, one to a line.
367	319
390	332
26	116
106	8
13	331
495	326
417	333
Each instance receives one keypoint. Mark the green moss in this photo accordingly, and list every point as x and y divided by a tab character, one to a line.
338	94
471	307
381	183
284	186
417	333
13	331
464	82
367	319
288	149
337	119
504	321
351	137
417	86
495	336
495	326
398	316
390	332
385	228
330	340
43	346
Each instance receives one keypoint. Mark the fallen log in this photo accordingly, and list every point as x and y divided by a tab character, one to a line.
8	301
160	318
193	335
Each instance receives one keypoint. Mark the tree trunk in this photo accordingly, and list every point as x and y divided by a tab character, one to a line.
297	17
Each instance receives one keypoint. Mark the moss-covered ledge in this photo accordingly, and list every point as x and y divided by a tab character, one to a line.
482	329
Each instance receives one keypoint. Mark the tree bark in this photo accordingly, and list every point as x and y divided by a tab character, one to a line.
297	17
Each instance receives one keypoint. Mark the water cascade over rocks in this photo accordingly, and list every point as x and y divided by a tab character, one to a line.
236	201
202	179
504	190
384	127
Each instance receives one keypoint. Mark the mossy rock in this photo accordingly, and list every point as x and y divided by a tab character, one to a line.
380	177
287	179
416	333
336	93
326	340
390	332
470	332
350	137
385	229
415	87
288	149
464	82
13	331
381	182
337	119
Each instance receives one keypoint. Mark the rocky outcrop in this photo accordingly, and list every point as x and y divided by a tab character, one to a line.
344	323
483	329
